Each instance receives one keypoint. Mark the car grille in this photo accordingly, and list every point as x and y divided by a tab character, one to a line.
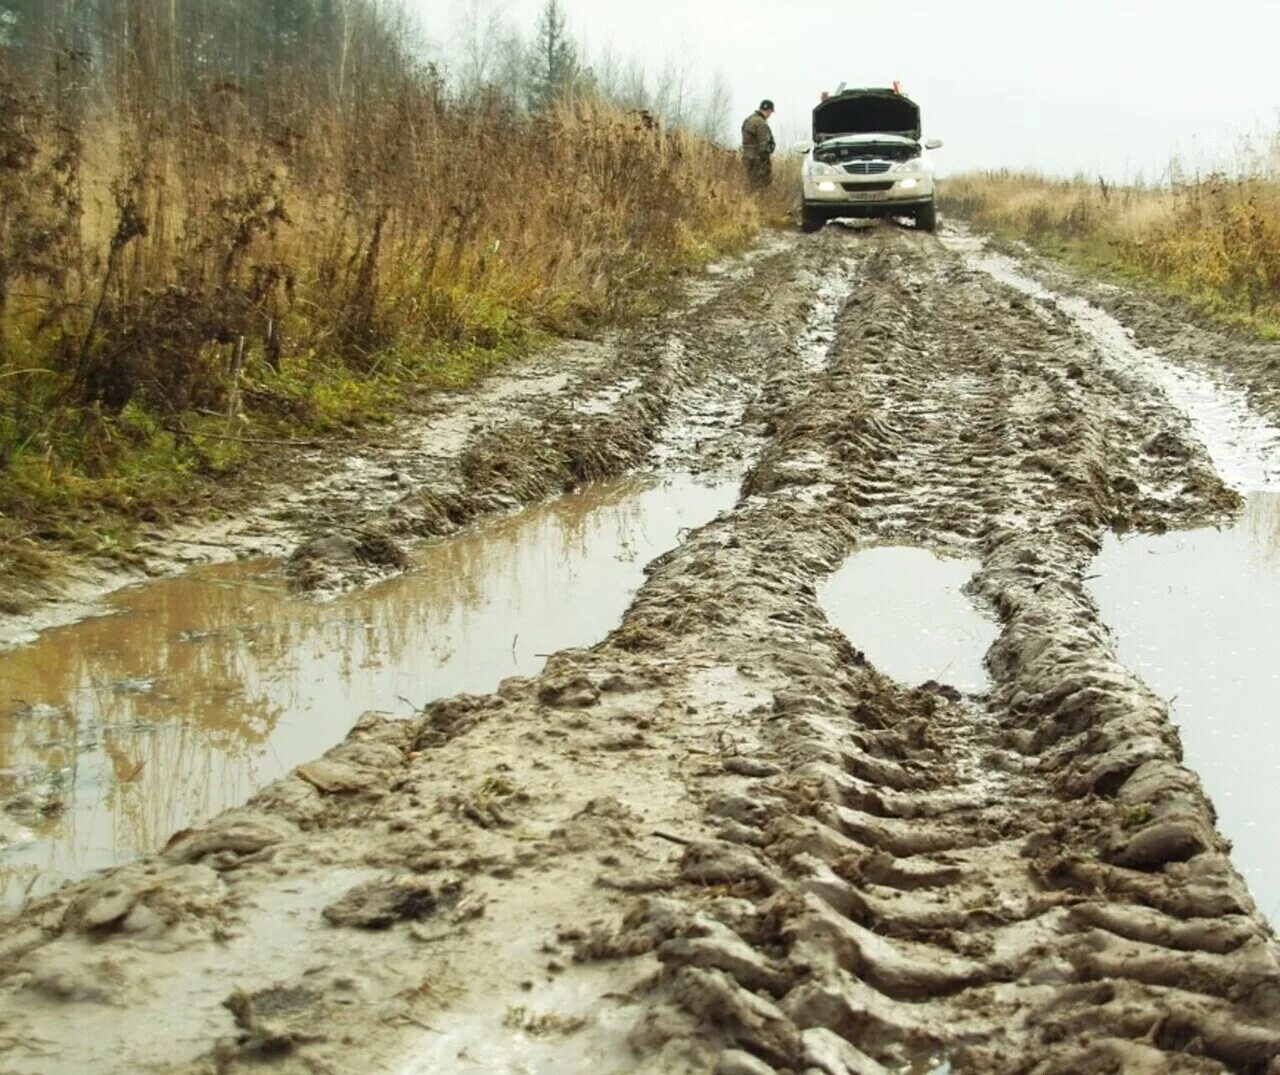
851	187
867	167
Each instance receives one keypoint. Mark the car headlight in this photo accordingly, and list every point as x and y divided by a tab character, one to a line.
910	183
912	165
817	167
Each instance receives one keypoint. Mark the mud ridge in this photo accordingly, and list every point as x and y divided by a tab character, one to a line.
610	423
722	840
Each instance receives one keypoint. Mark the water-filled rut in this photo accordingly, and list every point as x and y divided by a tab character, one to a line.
735	835
198	691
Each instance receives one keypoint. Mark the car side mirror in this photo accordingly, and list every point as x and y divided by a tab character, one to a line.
801	147
933	143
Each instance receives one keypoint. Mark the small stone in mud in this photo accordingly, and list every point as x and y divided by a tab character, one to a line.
381	904
575	692
1167	445
253	1014
617	743
333	777
243	832
637	882
942	690
754	767
135	685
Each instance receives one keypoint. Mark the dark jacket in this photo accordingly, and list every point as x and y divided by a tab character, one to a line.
757	138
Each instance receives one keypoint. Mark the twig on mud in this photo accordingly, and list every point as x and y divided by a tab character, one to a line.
671	837
416	1022
411	705
244	440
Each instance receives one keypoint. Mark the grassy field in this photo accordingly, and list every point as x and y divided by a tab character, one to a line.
1214	241
191	267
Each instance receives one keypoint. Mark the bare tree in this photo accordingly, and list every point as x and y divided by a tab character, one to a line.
480	33
716	110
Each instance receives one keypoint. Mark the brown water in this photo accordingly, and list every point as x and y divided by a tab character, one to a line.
199	690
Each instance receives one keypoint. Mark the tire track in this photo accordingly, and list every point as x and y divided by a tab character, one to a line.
907	908
722	840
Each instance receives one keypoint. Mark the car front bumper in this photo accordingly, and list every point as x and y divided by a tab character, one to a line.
873	195
863	208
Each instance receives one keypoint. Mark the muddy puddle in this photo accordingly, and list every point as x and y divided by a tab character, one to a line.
119	730
1197	615
906	610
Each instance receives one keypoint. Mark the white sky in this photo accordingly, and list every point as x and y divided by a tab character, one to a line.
1096	86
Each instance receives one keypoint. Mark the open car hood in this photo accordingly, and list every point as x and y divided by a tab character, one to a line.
872	111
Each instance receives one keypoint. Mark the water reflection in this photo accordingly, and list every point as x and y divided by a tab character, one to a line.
906	610
1197	615
201	689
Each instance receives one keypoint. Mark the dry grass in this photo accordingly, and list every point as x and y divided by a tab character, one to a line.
1214	240
177	253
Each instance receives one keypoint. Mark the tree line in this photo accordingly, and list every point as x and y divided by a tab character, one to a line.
176	48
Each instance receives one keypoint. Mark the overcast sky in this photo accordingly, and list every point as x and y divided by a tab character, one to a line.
1097	86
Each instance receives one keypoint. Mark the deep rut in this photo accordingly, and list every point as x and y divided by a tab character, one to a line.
721	840
1030	885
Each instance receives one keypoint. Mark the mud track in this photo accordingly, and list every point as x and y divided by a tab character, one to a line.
722	840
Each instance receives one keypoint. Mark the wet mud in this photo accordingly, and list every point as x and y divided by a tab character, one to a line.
197	691
723	839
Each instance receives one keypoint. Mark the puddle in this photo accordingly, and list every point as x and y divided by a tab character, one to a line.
906	610
1197	615
118	731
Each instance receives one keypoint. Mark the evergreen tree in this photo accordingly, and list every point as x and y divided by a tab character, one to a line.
553	59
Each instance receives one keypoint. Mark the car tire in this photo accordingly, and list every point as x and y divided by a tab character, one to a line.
927	217
811	220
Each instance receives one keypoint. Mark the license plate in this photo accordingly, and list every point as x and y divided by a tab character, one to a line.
865	195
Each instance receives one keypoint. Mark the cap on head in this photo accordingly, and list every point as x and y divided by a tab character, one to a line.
766	105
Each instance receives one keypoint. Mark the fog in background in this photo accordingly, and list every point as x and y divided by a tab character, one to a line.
1112	87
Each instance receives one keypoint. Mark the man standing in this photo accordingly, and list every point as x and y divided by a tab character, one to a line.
758	146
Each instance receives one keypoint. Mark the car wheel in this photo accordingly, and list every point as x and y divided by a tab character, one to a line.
811	220
927	217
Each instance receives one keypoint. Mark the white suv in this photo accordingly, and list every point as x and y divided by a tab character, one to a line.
866	160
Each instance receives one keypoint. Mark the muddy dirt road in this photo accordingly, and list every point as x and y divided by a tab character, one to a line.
724	839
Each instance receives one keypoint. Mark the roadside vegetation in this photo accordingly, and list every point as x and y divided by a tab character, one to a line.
226	225
1213	239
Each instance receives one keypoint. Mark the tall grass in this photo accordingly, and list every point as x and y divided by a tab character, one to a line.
1214	239
185	257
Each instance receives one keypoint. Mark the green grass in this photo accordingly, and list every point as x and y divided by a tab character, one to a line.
1212	243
